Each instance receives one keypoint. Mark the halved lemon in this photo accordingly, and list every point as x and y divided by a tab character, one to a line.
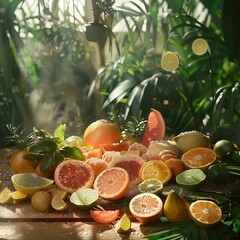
29	183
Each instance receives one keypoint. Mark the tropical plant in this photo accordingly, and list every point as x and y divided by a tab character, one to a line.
195	96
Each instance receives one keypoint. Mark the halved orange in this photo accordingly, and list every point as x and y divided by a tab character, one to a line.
199	157
146	207
155	169
112	183
205	213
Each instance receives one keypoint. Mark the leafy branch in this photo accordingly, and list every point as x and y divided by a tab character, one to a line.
44	148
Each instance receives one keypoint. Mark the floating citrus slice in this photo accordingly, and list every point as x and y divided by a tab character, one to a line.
123	224
199	46
191	179
112	183
84	198
170	61
71	175
5	195
104	216
29	183
199	158
205	213
155	169
146	207
151	185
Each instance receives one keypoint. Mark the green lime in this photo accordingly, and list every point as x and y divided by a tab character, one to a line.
218	173
123	224
84	198
191	179
223	148
151	185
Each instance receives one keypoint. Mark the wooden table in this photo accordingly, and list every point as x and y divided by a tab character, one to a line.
21	221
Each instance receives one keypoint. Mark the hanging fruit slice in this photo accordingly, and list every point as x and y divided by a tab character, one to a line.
104	216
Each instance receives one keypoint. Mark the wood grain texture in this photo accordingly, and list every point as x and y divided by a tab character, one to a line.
21	221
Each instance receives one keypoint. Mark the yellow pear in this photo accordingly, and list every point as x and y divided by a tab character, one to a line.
176	208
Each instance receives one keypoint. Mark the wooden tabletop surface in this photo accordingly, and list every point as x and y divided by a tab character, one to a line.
21	221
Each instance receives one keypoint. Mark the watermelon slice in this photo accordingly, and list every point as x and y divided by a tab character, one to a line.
155	128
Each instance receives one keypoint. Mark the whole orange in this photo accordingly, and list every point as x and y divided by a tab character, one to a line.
101	131
20	164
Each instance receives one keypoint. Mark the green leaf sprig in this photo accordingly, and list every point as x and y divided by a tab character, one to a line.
50	150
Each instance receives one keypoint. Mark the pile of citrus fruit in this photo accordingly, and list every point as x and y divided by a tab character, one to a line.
112	170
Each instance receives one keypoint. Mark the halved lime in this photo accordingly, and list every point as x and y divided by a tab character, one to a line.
191	179
123	224
29	183
170	61
151	185
199	46
84	198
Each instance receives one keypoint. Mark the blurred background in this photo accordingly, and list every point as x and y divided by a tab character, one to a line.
75	61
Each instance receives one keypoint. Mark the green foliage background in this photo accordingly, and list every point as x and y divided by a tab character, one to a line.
52	73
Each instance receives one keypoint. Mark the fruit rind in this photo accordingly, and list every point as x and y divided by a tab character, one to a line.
207	211
140	202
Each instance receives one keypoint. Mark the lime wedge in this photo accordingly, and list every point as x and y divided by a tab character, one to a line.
84	198
5	195
123	224
191	179
151	185
57	201
29	183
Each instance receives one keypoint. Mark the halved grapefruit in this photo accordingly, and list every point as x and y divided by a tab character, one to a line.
112	184
155	128
71	175
131	163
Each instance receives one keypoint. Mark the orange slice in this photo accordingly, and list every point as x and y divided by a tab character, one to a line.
146	207
155	169
199	158
205	213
